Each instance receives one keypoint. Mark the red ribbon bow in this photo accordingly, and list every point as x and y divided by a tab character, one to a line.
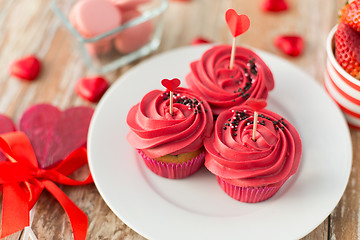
22	181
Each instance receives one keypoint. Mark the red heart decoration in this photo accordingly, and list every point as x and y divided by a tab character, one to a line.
6	125
55	134
291	45
274	5
238	24
171	85
91	89
199	40
26	68
256	104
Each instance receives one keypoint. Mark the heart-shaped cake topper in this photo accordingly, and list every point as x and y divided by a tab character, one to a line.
256	104
26	68
291	45
238	24
171	85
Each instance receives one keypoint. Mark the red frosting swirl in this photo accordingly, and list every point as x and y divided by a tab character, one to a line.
157	133
235	157
223	88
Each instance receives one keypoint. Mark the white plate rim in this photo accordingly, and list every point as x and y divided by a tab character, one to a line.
228	226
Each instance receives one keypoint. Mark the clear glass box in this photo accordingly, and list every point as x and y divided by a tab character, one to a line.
100	62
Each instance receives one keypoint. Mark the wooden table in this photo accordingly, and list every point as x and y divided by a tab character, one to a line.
31	27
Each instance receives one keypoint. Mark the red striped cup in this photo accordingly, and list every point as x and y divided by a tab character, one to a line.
341	86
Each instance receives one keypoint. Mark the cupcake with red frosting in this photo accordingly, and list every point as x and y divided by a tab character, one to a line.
222	87
170	142
252	168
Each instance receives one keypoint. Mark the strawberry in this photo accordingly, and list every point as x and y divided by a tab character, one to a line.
350	15
347	49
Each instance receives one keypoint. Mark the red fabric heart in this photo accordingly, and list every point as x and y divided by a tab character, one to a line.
256	104
171	85
91	89
55	134
6	125
238	24
26	68
292	45
199	40
274	5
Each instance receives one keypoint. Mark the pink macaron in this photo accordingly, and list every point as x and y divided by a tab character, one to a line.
127	5
94	17
135	37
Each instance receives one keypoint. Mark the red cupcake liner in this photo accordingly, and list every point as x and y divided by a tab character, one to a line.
248	194
174	170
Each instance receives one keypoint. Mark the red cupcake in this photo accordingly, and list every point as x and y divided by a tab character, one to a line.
251	170
222	87
170	144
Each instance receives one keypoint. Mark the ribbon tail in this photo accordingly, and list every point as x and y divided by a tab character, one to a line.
15	210
78	219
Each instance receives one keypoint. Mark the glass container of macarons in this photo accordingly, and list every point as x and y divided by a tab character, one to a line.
112	33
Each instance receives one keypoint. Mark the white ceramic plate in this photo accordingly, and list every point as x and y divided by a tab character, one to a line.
196	207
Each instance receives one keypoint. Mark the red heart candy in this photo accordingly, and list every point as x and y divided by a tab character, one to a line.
256	104
292	45
171	85
55	134
237	24
91	89
274	5
26	68
199	40
6	125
